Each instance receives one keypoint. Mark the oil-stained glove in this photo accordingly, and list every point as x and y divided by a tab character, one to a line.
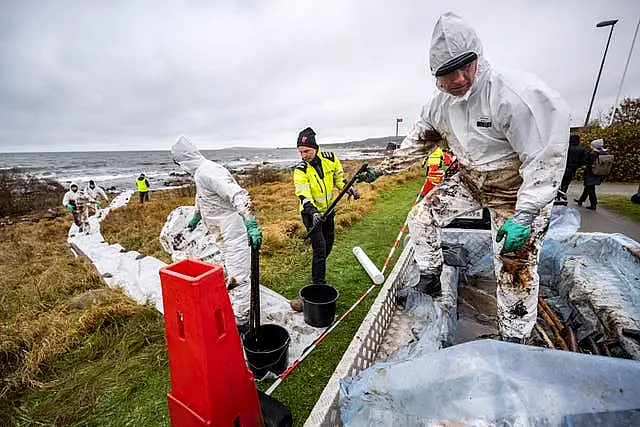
367	176
517	230
70	207
193	223
318	219
254	233
352	192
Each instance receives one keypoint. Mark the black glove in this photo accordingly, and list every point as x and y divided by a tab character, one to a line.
318	219
353	192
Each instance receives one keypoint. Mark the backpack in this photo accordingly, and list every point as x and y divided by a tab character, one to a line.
602	165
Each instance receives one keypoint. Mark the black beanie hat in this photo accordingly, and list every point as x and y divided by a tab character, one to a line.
307	138
574	139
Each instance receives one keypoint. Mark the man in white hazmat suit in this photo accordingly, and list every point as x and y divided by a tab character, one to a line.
76	202
225	208
94	193
510	134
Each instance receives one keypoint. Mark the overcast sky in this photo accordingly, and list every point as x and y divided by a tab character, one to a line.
117	75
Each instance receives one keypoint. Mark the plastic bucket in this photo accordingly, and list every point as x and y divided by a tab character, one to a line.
319	304
269	352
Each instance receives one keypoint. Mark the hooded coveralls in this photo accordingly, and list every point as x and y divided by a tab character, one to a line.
223	205
80	211
94	194
510	134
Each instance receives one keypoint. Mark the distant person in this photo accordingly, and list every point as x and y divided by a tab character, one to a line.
636	197
143	188
226	211
76	202
95	193
315	179
576	158
593	174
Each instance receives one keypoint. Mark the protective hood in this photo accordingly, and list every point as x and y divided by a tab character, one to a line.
186	155
72	184
452	38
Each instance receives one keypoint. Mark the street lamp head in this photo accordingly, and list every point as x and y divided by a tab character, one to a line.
606	23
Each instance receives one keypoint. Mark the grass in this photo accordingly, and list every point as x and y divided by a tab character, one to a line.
621	205
106	364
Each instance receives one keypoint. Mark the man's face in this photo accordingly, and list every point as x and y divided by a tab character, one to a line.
74	188
458	82
307	153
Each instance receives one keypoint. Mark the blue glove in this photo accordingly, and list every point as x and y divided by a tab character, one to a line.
254	233
70	207
193	223
517	230
367	176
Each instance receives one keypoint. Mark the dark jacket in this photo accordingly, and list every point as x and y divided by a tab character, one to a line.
589	177
577	156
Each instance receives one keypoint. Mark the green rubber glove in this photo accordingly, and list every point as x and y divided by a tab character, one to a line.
516	236
254	233
70	207
97	202
194	222
367	176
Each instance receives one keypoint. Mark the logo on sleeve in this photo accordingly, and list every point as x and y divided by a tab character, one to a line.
484	122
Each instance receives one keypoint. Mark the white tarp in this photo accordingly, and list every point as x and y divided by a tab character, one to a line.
139	278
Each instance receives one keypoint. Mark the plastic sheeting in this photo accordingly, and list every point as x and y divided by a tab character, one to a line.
138	276
492	383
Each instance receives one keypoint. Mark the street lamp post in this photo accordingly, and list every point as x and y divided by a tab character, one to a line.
610	23
398	121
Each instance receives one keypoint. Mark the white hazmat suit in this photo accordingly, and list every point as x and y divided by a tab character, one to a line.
510	134
223	206
94	192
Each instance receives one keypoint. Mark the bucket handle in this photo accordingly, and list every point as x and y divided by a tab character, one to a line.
251	365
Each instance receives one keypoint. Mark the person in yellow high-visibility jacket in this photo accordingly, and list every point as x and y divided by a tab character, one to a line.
315	178
143	188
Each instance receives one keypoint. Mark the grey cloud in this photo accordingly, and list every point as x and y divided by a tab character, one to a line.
117	75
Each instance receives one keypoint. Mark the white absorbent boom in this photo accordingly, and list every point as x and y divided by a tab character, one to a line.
376	275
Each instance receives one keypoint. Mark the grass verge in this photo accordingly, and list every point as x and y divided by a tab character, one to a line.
621	205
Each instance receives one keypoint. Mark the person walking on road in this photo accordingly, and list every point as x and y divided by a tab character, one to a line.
226	211
143	188
591	179
315	177
576	157
510	135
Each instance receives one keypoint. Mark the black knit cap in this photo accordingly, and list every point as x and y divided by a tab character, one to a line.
307	138
574	139
457	62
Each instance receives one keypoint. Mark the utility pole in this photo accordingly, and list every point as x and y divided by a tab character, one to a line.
398	120
624	73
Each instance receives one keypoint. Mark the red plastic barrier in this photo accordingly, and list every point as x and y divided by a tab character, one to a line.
210	382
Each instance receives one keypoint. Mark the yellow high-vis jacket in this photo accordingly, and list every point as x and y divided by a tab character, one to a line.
316	186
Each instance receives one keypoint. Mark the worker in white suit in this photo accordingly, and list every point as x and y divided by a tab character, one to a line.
225	209
509	133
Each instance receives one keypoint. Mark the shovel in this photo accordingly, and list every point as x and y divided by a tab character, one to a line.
254	305
346	187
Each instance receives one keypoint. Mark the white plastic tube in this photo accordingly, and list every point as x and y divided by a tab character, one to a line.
376	275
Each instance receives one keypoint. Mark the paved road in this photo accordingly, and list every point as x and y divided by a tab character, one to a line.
604	220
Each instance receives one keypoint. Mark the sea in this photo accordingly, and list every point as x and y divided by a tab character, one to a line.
118	170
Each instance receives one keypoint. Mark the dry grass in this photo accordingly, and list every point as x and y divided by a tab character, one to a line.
39	278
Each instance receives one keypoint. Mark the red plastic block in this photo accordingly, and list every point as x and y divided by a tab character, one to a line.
210	382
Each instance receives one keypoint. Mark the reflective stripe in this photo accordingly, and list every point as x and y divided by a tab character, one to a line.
302	187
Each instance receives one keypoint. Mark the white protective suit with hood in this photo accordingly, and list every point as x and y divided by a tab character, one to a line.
510	134
96	192
222	205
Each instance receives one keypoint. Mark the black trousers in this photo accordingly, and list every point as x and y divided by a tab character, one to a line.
589	191
569	173
144	196
321	243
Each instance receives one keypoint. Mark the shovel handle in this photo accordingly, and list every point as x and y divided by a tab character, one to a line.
344	190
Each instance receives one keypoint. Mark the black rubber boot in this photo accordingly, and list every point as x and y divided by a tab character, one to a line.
430	283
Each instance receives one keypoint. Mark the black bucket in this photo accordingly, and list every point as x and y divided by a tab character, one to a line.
269	352
319	304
